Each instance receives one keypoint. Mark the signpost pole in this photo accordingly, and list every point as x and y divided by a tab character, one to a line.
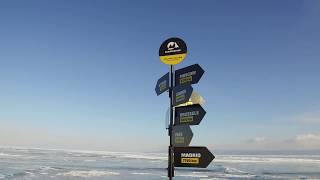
170	155
171	52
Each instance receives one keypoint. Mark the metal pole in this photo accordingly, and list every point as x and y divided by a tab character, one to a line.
170	155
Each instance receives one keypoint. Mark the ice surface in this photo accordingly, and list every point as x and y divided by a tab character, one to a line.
62	164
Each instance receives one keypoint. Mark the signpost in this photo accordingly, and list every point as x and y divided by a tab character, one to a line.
173	51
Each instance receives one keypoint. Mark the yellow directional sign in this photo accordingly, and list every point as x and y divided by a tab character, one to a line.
172	51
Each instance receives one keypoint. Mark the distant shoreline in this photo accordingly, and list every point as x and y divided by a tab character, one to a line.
217	152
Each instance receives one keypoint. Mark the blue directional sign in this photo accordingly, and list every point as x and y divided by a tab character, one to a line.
188	75
162	84
181	94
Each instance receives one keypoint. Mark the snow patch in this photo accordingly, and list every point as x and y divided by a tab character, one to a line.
86	174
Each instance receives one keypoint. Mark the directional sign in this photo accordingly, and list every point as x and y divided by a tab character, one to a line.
199	157
162	84
194	99
191	115
181	94
188	75
172	51
181	135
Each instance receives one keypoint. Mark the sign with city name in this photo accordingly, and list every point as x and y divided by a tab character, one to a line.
198	157
191	115
181	136
188	75
172	51
181	94
162	84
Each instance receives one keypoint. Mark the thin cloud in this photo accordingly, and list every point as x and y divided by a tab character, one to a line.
308	118
306	141
257	140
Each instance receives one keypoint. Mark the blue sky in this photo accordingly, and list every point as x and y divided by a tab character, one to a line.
81	74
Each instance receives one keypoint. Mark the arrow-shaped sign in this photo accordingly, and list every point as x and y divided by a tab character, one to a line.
191	115
181	135
194	99
181	94
199	157
188	75
162	84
